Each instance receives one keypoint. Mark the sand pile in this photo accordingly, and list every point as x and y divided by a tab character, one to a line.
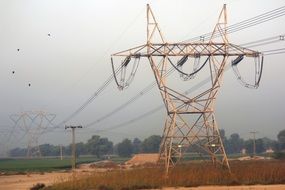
142	159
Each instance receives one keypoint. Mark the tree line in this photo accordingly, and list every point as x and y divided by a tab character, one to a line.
101	146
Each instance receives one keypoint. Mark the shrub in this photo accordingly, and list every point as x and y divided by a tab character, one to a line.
38	186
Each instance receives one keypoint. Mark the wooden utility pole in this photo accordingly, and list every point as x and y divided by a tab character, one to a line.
73	162
254	145
60	146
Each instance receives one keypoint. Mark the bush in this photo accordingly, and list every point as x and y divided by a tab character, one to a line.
38	186
279	155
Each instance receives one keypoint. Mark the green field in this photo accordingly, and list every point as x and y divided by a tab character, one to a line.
45	164
51	164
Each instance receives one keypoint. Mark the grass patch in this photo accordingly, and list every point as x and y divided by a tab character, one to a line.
186	175
39	165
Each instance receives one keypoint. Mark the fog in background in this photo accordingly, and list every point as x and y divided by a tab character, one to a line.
64	54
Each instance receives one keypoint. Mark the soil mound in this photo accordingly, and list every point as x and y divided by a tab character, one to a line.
143	159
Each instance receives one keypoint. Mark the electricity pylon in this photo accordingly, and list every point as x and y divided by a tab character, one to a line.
4	139
33	124
190	120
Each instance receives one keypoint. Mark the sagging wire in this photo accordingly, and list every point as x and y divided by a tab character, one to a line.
124	83
188	75
183	60
258	71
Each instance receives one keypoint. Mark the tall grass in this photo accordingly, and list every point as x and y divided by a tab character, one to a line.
186	175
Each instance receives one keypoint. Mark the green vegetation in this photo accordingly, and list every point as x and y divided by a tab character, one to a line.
102	147
186	175
46	164
31	165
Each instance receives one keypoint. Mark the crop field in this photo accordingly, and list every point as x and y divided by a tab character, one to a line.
45	164
31	165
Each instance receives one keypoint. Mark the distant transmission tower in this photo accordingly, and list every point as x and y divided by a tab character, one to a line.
4	137
33	124
191	121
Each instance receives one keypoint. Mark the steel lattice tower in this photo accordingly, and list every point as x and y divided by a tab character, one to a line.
190	119
33	124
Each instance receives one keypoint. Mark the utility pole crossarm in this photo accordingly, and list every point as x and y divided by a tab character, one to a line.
72	127
188	49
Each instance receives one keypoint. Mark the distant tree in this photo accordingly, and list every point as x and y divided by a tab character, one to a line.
67	150
125	148
269	143
18	152
281	136
224	139
46	149
99	146
151	144
281	139
235	144
81	149
105	146
136	145
258	144
260	148
222	133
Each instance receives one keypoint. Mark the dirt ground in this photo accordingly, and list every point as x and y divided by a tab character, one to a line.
24	182
243	187
140	159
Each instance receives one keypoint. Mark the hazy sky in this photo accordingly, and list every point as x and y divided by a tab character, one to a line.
67	66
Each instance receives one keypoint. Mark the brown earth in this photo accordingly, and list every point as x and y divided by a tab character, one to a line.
24	182
242	187
141	159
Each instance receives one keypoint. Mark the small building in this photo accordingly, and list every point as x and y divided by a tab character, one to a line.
269	150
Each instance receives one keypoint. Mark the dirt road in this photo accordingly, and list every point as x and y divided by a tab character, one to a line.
243	187
25	182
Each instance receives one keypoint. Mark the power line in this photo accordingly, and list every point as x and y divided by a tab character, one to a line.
152	85
276	53
272	50
276	13
150	112
265	17
130	101
103	86
87	102
156	109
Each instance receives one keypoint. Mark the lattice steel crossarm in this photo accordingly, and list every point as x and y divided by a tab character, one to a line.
189	49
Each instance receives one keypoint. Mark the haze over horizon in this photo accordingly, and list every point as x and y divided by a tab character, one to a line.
62	49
